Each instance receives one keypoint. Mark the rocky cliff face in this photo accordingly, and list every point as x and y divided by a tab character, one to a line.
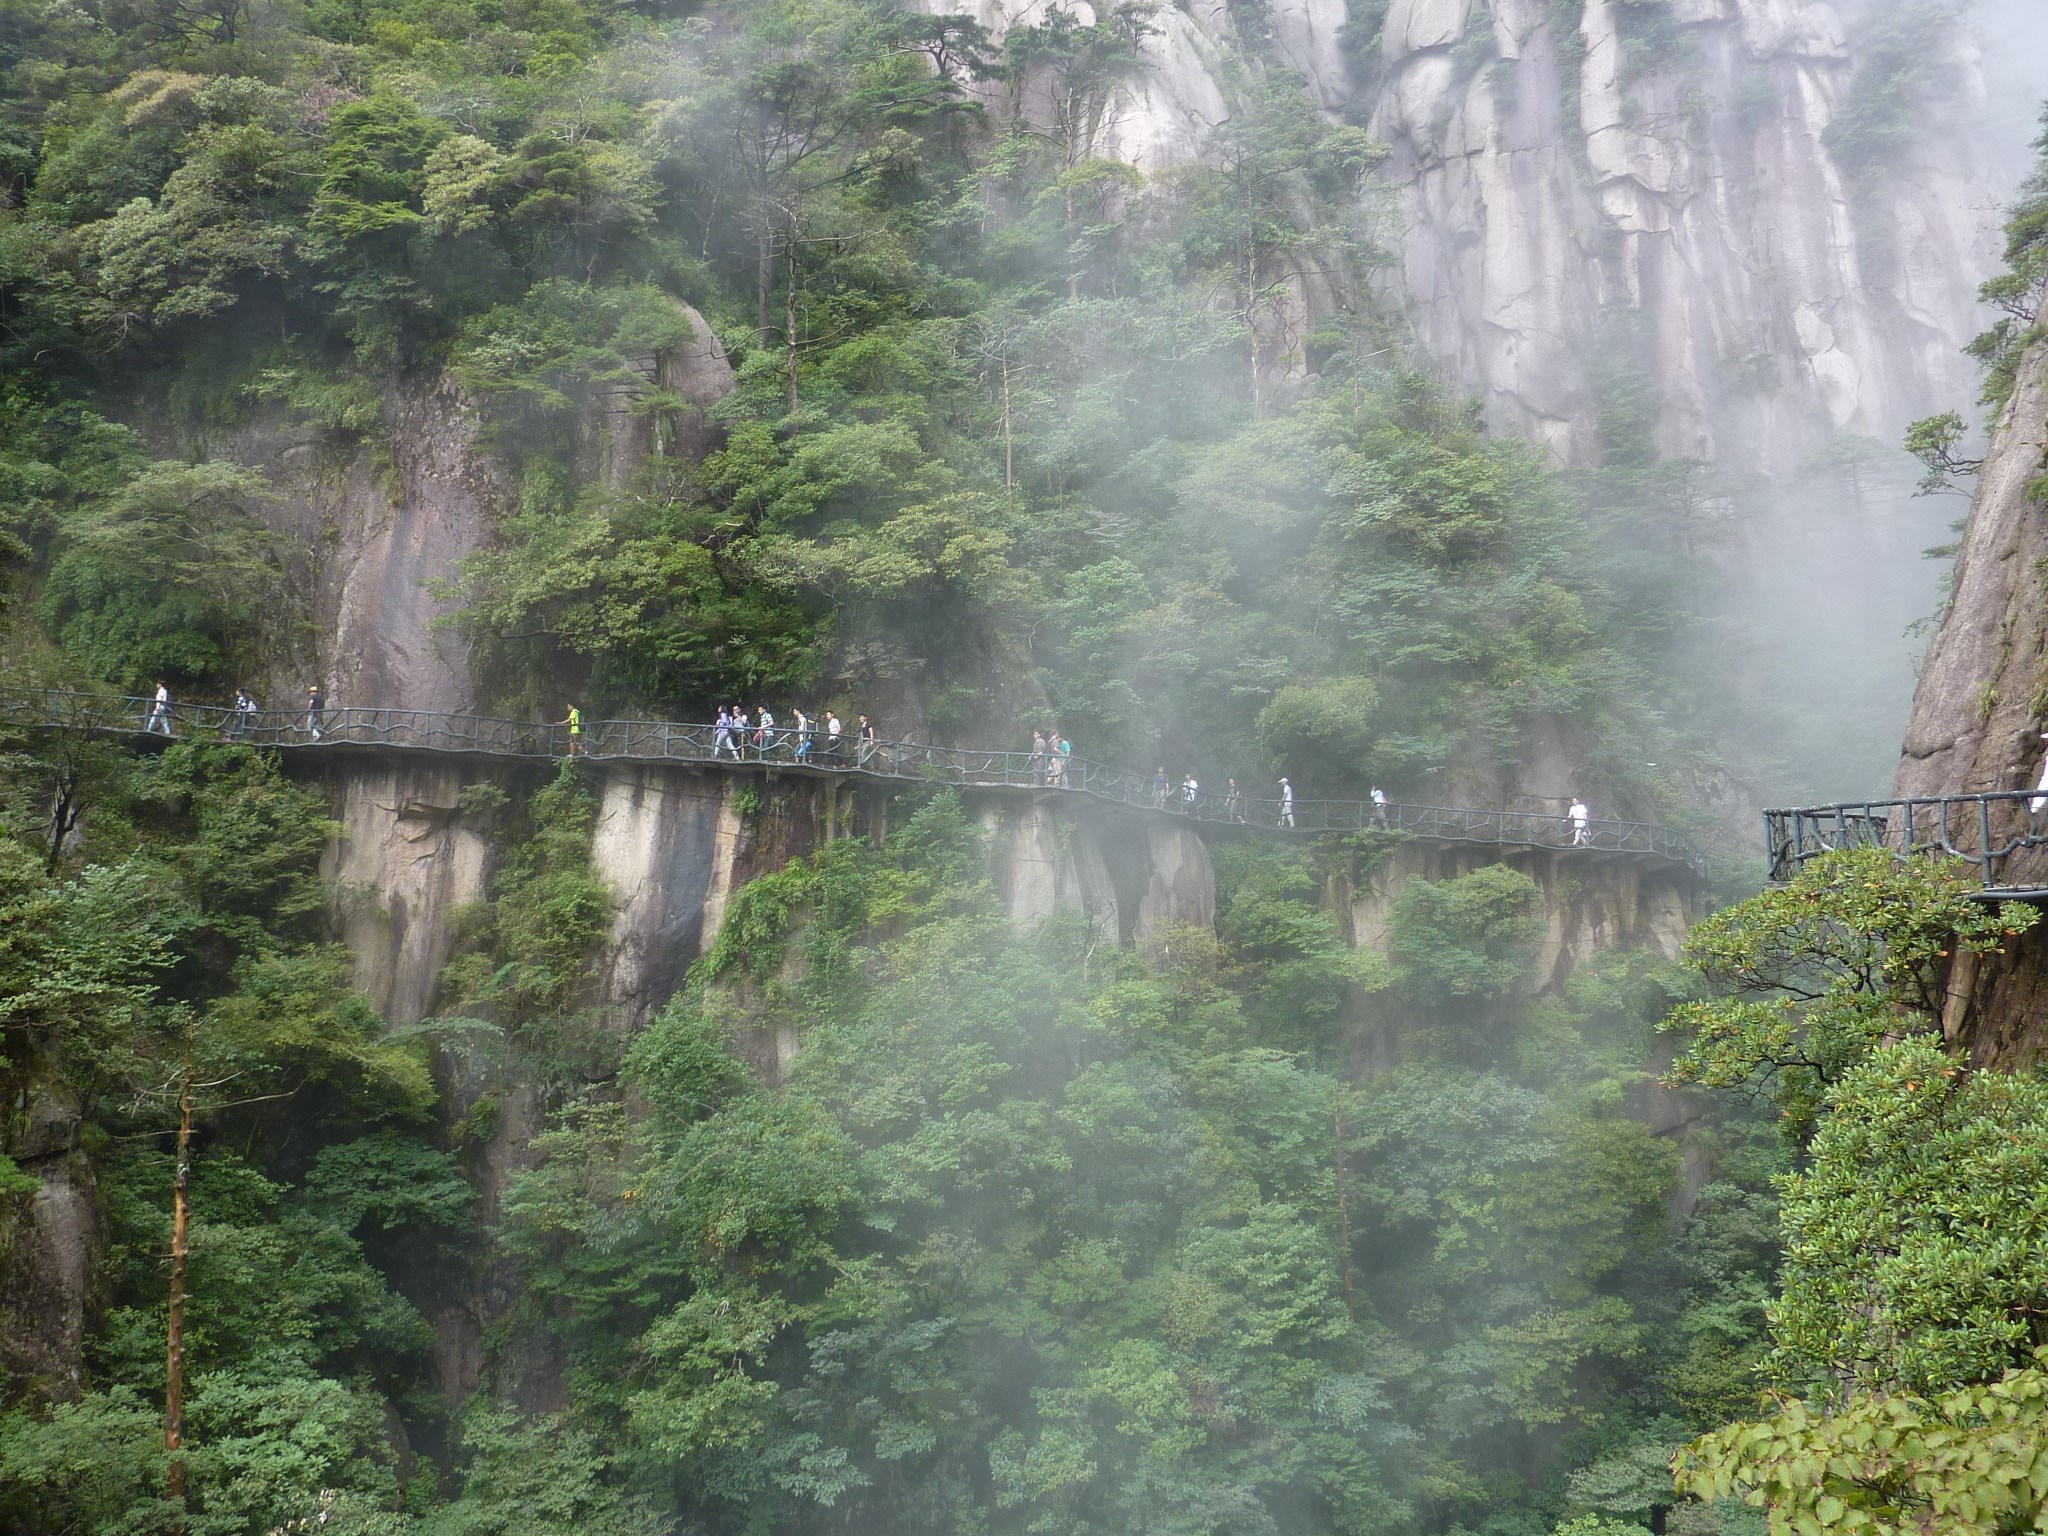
1982	704
403	864
1589	904
1655	184
49	1237
1569	169
374	525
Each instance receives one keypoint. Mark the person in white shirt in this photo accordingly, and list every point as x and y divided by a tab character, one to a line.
1286	804
160	711
1379	806
1579	816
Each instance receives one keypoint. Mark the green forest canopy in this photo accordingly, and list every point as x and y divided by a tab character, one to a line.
1036	1235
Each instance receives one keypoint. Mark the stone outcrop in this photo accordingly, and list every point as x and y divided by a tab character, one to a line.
1590	902
372	527
623	435
1982	704
49	1237
1978	712
674	844
404	863
1129	876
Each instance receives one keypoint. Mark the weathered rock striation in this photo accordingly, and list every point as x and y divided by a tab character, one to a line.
1659	181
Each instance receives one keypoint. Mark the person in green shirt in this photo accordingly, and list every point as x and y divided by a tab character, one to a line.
574	720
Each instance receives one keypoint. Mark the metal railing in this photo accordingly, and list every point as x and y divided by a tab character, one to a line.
1987	830
919	762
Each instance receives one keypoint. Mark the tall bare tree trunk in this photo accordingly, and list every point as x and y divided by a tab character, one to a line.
1343	1209
1073	251
1251	312
174	1373
1009	448
789	329
764	279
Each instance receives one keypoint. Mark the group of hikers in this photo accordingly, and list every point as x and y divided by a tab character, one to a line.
1052	760
242	714
1186	797
756	737
739	736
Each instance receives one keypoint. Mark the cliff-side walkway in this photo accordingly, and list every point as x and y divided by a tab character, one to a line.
1997	832
662	741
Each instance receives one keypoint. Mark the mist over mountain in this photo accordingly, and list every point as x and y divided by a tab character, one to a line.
854	765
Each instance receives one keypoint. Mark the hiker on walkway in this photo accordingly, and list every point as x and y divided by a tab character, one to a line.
740	736
2040	800
764	731
1379	807
316	710
1063	762
1040	757
159	717
864	735
1159	787
1579	816
242	723
721	731
1286	804
574	720
802	723
1233	803
834	756
1190	792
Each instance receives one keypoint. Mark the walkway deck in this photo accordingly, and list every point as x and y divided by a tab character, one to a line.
1989	830
660	741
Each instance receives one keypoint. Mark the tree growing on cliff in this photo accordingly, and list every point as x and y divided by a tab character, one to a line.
1811	976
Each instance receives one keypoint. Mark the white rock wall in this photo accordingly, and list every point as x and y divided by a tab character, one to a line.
1545	176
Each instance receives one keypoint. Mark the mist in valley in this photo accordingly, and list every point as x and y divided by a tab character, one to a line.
451	1146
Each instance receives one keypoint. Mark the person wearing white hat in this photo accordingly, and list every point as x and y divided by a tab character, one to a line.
1286	804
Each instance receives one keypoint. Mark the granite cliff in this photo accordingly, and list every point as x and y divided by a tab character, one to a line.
1671	191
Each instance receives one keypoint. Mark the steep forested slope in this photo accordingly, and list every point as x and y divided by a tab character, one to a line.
1003	428
1238	1230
